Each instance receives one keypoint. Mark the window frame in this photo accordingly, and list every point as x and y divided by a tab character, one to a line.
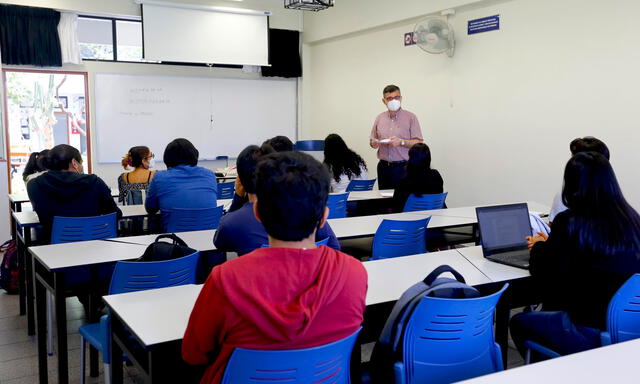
114	42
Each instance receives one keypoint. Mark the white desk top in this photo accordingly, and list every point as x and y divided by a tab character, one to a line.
199	240
161	315
368	225
370	195
494	271
59	256
389	278
28	218
158	315
615	363
470	211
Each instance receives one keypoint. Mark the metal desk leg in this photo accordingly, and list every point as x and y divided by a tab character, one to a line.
29	282
22	276
61	327
42	329
116	351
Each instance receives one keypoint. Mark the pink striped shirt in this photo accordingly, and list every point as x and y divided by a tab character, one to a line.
403	125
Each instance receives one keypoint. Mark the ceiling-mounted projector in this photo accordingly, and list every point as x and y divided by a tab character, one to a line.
308	5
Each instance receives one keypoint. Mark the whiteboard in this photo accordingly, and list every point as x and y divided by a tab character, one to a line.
220	116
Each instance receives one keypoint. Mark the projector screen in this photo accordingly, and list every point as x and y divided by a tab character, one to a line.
202	35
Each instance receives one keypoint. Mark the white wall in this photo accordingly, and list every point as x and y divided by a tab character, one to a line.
499	115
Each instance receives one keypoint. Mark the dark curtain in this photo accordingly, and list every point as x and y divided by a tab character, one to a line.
29	36
284	54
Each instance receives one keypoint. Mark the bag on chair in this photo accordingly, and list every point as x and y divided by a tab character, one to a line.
9	274
161	250
388	348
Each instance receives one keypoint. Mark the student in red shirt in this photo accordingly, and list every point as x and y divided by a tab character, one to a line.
292	295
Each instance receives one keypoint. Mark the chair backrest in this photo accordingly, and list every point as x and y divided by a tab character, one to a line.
425	202
623	316
448	340
226	190
130	276
310	145
323	364
360	185
337	204
400	238
185	220
71	229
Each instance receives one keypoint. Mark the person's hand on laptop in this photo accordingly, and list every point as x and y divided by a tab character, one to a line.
531	240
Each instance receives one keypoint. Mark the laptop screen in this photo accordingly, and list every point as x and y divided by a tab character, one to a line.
503	227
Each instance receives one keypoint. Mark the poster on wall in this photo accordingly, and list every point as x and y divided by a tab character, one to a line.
484	24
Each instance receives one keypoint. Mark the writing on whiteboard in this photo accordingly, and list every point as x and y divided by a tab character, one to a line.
144	95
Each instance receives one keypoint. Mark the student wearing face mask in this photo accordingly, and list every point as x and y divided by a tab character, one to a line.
394	132
66	191
142	160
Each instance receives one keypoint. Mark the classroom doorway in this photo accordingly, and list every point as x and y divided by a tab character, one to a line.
44	109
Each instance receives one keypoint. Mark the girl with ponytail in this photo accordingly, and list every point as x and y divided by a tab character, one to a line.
141	159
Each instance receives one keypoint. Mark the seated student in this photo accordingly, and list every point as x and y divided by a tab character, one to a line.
420	178
183	184
240	231
584	144
593	248
66	191
36	165
293	295
343	163
279	144
142	160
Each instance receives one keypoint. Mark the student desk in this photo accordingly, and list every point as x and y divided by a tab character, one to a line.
23	224
51	263
158	318
198	240
615	363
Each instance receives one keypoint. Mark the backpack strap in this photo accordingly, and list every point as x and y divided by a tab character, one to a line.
172	236
439	271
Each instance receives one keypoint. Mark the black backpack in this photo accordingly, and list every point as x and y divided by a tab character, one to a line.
388	348
9	274
162	250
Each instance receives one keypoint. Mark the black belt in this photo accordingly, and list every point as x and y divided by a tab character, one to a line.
385	162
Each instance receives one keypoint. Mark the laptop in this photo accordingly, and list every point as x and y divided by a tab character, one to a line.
503	229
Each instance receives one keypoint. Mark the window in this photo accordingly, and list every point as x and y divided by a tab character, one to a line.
96	38
129	40
110	39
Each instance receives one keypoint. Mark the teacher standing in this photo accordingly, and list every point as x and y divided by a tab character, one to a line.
393	133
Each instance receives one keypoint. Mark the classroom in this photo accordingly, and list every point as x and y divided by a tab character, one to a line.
517	101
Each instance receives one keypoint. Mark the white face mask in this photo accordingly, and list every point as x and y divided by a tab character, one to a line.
393	105
152	163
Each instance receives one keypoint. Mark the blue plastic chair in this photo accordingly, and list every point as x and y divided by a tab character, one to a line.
226	190
72	229
425	202
328	363
449	340
130	277
337	204
185	220
396	238
360	185
310	145
623	320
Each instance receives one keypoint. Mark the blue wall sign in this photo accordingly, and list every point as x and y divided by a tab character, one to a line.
485	24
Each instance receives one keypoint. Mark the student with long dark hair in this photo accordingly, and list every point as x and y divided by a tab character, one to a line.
420	179
593	248
343	163
36	165
65	190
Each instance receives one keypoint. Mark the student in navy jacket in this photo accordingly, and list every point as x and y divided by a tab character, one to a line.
593	248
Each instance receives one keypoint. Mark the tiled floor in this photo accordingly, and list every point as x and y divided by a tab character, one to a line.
18	351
